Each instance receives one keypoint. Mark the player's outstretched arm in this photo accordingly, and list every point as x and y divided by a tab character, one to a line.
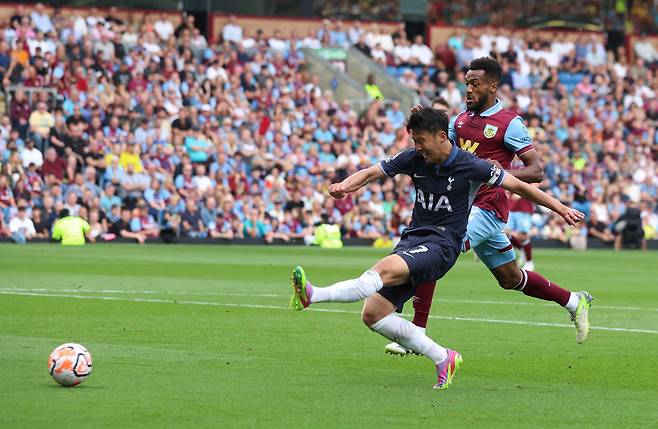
512	184
356	181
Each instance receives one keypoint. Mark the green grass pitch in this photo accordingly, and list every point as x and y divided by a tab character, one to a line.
201	336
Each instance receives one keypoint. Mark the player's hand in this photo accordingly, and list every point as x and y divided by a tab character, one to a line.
573	217
496	163
417	108
337	190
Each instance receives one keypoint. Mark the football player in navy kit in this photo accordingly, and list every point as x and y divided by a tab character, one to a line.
446	179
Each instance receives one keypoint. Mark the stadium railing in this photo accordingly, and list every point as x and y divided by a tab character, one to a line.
29	92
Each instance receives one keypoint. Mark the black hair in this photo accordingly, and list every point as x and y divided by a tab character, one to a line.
428	119
63	213
491	67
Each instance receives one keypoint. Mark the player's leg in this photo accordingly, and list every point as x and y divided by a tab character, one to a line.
498	256
391	271
478	231
380	316
521	224
429	261
422	302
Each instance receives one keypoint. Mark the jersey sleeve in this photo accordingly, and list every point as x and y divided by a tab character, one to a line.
452	134
517	138
402	163
486	172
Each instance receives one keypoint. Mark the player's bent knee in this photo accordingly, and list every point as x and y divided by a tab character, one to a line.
375	309
511	281
369	318
509	276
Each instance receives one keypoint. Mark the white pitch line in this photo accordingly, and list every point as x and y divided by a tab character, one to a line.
274	295
322	310
145	292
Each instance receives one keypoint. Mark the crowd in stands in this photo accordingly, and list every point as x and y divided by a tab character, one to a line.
384	10
145	129
635	16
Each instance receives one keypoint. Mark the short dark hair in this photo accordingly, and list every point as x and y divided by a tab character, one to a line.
430	120
63	213
491	67
440	100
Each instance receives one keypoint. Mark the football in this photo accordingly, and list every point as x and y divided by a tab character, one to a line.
70	364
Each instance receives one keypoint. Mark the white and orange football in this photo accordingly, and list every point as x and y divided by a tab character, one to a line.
70	364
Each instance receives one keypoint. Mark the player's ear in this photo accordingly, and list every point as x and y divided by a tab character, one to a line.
494	87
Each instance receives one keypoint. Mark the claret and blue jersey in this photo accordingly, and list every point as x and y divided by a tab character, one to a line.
444	193
495	133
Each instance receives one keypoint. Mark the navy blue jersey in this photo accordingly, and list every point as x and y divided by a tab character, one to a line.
444	193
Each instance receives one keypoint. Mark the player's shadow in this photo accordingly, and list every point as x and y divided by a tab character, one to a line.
83	387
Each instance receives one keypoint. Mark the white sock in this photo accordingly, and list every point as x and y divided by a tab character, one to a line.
572	304
405	333
350	290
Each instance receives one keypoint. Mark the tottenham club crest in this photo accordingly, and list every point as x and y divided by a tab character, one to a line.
490	131
450	180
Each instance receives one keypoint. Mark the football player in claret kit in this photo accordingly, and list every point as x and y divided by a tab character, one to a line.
491	132
446	180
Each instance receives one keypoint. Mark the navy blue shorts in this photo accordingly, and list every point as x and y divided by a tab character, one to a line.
429	256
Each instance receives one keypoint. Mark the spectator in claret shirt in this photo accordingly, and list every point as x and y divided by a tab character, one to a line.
222	227
19	112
